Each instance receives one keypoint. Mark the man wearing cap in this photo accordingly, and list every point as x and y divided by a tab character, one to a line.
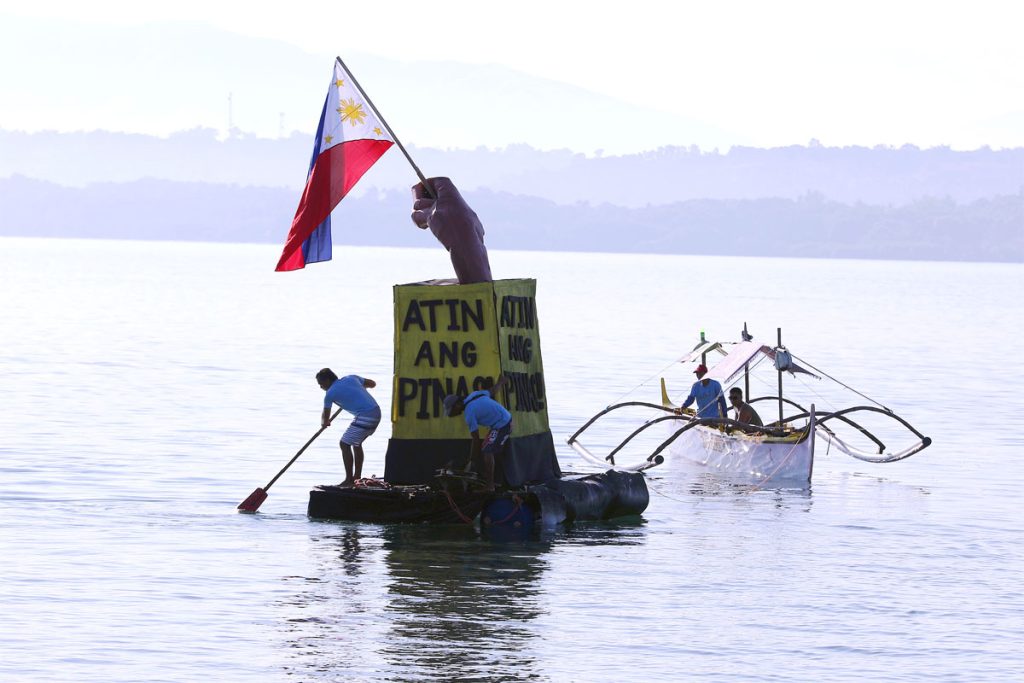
481	409
708	394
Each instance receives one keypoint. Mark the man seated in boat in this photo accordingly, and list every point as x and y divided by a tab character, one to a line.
745	413
482	410
708	394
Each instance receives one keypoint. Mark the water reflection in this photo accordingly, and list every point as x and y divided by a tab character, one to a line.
349	550
331	614
461	605
700	484
414	602
421	602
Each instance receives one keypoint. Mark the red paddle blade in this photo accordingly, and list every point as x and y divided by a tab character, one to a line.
253	502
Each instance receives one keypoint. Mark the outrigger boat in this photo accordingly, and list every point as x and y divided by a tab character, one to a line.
781	451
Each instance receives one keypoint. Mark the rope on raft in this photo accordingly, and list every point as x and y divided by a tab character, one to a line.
455	507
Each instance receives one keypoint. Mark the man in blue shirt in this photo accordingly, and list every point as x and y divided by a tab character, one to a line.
708	394
350	394
481	409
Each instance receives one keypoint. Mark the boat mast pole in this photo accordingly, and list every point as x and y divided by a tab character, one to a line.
746	382
779	329
746	367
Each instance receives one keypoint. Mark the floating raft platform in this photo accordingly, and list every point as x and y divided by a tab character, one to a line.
608	495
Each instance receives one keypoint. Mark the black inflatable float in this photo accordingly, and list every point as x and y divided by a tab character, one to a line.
567	499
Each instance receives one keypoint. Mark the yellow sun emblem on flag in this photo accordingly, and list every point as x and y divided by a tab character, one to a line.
352	111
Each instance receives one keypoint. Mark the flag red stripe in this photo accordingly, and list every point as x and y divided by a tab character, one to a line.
333	175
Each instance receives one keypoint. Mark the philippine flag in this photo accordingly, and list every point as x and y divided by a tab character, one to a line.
349	140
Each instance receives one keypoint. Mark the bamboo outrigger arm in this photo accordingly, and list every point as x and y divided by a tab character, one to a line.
656	458
771	430
610	458
615	407
804	413
593	459
854	452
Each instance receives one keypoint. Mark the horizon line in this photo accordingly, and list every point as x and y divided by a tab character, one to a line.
237	134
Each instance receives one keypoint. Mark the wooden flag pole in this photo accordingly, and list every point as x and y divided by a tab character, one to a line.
426	185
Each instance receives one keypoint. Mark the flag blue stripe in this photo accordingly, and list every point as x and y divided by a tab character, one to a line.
317	246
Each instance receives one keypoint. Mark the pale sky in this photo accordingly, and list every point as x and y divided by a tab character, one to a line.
863	72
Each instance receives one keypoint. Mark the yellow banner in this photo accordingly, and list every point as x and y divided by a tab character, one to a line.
519	344
444	344
456	339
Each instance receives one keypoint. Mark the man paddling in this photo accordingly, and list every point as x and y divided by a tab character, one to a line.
350	394
481	409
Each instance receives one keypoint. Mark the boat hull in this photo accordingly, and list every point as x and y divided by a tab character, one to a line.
750	457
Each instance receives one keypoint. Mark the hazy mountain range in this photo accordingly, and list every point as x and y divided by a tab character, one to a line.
878	175
697	188
882	203
934	229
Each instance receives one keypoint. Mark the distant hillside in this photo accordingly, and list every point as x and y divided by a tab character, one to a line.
171	75
989	229
882	175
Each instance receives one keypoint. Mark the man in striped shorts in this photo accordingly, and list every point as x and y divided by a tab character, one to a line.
350	394
482	410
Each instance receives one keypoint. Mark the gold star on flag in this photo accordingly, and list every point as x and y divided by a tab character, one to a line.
328	139
339	83
378	131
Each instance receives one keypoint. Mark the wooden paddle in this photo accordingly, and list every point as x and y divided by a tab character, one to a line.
256	498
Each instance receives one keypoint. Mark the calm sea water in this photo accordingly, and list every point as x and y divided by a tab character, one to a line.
147	388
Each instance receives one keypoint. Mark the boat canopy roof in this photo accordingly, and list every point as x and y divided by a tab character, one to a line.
738	356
